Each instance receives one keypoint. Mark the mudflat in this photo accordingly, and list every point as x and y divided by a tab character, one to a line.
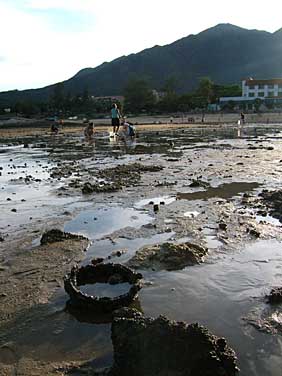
173	184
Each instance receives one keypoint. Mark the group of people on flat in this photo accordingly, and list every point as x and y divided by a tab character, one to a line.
127	130
118	121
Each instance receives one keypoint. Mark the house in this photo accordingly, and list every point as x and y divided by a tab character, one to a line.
269	92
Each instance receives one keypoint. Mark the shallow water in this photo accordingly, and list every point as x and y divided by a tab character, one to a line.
97	223
222	191
105	289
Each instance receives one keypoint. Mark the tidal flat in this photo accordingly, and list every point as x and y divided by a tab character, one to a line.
198	185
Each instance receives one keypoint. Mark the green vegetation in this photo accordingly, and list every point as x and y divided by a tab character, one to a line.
139	97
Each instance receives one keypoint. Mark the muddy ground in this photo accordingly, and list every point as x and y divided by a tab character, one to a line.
177	185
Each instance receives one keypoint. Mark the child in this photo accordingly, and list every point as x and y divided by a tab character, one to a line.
128	129
89	131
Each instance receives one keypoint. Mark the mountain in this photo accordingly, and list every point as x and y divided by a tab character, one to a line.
226	53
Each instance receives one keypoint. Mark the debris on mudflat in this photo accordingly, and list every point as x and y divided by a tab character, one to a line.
275	296
150	347
115	178
56	235
168	256
101	273
100	187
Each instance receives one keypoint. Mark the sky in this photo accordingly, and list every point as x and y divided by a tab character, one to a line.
47	41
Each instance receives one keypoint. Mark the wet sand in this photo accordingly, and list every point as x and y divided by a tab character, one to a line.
225	293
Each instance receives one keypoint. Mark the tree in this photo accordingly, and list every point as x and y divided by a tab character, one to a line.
138	96
257	104
206	89
170	85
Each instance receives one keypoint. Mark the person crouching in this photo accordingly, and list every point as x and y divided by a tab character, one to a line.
89	131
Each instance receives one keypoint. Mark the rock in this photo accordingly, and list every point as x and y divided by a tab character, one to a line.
119	253
254	233
148	347
168	256
56	235
156	208
101	273
97	260
199	183
125	312
222	226
273	201
275	296
99	187
14	210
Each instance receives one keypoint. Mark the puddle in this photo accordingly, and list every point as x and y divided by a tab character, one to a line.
105	289
268	219
104	248
222	191
97	223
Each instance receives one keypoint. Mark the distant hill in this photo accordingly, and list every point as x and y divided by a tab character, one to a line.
226	53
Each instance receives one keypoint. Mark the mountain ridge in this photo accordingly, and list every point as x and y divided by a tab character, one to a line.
225	52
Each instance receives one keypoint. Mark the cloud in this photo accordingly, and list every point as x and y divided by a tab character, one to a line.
46	41
70	5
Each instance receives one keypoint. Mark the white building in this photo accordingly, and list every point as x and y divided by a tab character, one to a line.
262	88
268	91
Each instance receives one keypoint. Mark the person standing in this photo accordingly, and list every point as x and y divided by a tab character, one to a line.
242	118
115	115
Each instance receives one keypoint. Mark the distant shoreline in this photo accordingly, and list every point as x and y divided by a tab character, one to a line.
38	126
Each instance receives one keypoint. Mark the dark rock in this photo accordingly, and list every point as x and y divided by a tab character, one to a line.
99	187
254	233
273	201
97	260
56	235
199	183
14	210
129	313
222	226
275	296
101	272
148	347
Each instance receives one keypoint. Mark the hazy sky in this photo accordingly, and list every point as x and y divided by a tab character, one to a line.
46	41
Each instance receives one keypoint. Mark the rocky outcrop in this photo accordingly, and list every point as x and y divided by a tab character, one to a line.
56	235
148	347
115	178
168	256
